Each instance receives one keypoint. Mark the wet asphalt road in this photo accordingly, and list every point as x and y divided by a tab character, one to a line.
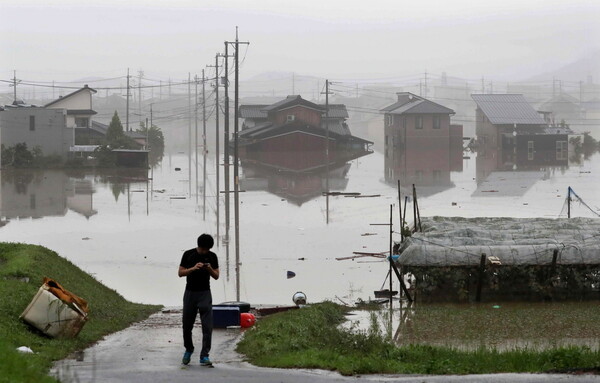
151	351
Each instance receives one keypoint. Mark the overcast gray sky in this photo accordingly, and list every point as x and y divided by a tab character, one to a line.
506	39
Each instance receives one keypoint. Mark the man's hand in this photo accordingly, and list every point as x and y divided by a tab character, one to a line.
185	272
198	266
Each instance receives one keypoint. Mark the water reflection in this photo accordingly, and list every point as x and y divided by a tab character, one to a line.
511	164
26	193
424	161
298	176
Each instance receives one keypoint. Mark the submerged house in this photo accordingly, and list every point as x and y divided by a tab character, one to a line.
422	146
296	124
518	136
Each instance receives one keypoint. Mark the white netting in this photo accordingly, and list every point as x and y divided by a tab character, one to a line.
453	241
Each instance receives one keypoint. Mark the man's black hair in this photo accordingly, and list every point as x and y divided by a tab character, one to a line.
206	241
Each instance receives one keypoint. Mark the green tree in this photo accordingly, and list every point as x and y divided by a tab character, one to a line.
114	133
156	142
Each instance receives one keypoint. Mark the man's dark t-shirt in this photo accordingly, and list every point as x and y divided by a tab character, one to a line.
198	280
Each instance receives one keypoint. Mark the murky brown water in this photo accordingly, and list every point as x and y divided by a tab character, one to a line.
130	233
501	326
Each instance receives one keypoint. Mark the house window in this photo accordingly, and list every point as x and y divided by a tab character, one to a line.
419	122
390	120
32	123
530	150
436	122
81	122
404	123
437	175
562	150
290	117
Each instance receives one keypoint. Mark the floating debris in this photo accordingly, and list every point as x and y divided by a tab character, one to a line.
290	274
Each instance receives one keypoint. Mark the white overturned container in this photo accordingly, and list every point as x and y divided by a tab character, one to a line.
52	316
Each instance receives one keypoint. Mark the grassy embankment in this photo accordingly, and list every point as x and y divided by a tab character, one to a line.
109	311
311	338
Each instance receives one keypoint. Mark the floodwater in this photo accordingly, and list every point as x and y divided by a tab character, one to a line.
130	233
500	326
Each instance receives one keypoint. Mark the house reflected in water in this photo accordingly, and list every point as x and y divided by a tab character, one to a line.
422	146
297	149
297	176
43	193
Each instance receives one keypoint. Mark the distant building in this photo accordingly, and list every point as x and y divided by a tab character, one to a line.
295	124
421	144
95	134
510	133
51	127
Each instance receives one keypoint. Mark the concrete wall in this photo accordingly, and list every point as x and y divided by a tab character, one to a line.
81	100
50	133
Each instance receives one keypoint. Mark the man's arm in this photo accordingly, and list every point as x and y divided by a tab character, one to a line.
183	272
213	272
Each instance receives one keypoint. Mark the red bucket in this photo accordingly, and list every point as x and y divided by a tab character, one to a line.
247	320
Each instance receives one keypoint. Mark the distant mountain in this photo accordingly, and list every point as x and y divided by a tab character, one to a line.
578	70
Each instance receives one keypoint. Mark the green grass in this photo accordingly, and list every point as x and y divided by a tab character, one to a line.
109	311
312	338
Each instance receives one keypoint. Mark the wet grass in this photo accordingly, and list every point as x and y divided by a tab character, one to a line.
109	311
503	326
312	338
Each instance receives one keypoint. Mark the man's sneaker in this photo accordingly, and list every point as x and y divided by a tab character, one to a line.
204	361
187	356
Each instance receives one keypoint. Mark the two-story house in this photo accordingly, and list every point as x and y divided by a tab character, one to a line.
298	125
511	134
421	145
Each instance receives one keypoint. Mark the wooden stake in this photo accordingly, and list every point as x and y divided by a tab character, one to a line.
480	279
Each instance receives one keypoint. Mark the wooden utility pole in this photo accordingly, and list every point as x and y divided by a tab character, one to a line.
14	85
327	146
203	146
140	76
391	251
196	133
127	103
217	150
226	142
189	83
236	173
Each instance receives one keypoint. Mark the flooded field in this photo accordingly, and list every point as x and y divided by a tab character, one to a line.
502	326
130	232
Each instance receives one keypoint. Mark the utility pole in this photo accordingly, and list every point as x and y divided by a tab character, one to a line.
127	103
189	84
226	143
217	154
196	132
140	75
293	83
425	83
14	85
327	146
236	178
482	85
203	146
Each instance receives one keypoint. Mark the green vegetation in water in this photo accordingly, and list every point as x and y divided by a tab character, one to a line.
109	311
504	326
312	338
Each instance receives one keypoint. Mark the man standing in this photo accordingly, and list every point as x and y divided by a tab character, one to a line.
198	266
